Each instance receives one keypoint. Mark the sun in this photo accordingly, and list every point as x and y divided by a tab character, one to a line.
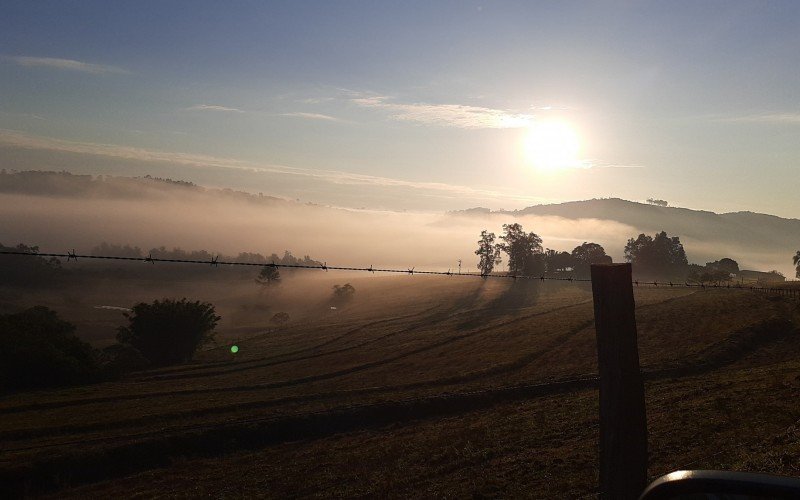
552	146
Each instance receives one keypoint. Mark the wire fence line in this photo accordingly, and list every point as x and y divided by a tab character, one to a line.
215	262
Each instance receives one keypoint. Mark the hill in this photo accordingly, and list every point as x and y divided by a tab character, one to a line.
755	240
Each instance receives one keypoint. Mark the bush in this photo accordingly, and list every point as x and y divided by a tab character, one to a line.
169	331
343	293
38	349
269	276
279	319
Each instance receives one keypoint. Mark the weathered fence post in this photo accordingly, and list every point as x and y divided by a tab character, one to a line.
623	423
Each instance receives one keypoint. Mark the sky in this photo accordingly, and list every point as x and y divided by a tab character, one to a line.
417	106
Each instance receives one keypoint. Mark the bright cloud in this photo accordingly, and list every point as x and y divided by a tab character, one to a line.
447	115
213	107
311	116
68	64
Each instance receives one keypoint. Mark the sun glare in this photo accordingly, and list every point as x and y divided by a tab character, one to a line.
551	146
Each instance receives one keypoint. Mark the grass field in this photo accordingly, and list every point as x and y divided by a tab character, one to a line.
423	386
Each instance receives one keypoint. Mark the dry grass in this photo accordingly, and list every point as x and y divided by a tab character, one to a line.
417	390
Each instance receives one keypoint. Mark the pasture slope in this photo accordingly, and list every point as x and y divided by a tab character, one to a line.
449	388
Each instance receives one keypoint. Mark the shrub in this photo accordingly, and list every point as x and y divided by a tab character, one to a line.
38	349
279	318
343	293
169	331
269	276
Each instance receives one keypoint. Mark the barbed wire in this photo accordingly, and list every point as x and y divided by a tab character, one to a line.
215	262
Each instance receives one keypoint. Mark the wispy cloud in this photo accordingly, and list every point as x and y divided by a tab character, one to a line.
792	118
311	116
27	141
600	164
550	107
29	116
68	65
315	100
213	107
447	115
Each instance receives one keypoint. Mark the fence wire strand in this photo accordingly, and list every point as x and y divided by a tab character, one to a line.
215	262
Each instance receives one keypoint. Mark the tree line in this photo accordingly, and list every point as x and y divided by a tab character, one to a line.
526	256
162	252
31	272
653	257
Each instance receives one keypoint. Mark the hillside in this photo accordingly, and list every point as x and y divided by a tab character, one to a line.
475	388
742	235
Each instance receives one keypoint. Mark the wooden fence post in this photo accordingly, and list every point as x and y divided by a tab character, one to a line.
623	423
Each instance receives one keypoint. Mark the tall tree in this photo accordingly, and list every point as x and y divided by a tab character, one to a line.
524	250
488	252
587	254
661	256
796	260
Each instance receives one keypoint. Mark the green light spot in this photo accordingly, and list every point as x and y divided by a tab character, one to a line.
234	349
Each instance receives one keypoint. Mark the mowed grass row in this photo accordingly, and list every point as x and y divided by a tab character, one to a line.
433	366
462	345
199	394
737	419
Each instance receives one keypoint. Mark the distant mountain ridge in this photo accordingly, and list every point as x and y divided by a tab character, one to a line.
67	184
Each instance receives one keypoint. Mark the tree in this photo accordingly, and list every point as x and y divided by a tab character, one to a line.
707	274
725	265
343	294
39	349
796	260
26	271
524	250
169	331
268	276
488	252
557	262
586	254
113	250
656	202
660	256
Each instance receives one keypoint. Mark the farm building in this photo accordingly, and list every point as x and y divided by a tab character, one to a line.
760	276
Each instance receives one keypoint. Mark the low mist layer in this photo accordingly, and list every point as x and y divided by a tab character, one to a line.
57	213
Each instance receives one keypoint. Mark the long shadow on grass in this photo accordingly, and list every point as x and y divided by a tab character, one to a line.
56	471
518	295
458	307
498	369
156	450
285	383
